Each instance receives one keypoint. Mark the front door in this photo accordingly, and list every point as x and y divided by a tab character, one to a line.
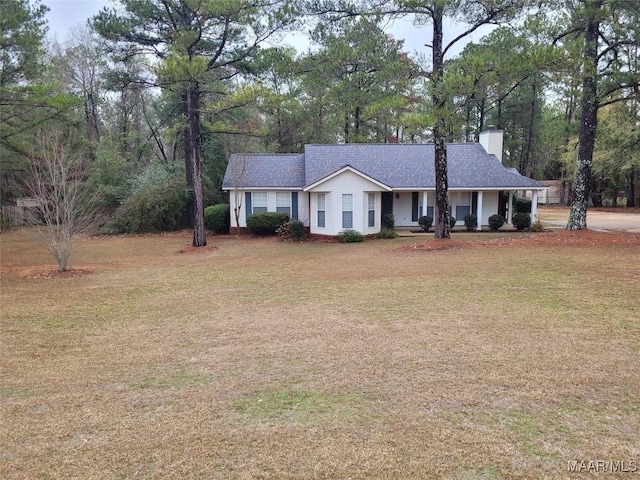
503	199
387	205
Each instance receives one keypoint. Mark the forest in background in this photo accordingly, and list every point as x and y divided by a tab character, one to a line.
143	106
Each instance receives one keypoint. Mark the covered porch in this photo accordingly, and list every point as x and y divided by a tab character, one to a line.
407	205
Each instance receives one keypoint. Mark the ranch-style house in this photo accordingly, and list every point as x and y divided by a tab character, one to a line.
331	188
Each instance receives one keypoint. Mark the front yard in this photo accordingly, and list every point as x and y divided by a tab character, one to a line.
264	359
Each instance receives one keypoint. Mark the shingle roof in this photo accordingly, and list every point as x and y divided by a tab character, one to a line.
265	170
395	165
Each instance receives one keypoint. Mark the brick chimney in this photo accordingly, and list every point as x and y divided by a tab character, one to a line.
491	141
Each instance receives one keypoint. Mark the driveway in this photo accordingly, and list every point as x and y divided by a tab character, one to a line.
557	217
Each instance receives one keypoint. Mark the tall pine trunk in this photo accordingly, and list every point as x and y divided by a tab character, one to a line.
442	228
194	162
631	188
588	120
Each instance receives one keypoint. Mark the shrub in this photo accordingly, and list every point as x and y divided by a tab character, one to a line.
297	230
452	221
521	205
521	220
537	226
496	221
425	222
266	223
388	221
350	236
158	202
470	221
386	233
216	218
292	229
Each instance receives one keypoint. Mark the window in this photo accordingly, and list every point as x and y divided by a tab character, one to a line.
321	210
462	211
464	205
347	210
283	202
259	202
371	209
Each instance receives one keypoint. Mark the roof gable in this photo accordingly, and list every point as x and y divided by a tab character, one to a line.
341	171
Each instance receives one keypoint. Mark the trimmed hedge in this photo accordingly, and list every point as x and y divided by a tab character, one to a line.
521	220
496	221
425	222
452	221
389	221
266	223
470	221
216	218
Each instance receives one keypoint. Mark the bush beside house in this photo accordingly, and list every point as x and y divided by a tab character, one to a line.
266	223
216	218
496	221
521	220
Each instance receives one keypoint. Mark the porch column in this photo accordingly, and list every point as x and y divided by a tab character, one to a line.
479	211
424	203
510	207
534	206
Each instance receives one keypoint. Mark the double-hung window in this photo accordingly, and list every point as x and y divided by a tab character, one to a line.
283	202
371	209
259	202
464	206
347	210
321	210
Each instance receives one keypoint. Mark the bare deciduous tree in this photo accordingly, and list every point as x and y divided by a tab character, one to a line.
63	207
238	170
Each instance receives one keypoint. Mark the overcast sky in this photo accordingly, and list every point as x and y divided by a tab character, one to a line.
64	14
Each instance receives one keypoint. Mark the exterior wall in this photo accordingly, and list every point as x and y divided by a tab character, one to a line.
351	183
403	207
489	206
303	205
345	183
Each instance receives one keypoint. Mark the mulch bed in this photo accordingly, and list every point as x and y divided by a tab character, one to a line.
48	272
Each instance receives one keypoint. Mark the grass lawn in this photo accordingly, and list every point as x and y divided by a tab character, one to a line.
272	360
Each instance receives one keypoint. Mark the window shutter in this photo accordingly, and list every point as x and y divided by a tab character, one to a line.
247	203
294	205
414	206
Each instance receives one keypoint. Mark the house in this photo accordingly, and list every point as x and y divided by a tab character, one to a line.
558	192
334	187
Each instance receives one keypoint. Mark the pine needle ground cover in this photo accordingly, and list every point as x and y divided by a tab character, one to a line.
259	359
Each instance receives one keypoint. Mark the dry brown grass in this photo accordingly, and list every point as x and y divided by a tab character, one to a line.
261	359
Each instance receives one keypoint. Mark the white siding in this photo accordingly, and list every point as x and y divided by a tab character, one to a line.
403	205
345	183
303	206
489	206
